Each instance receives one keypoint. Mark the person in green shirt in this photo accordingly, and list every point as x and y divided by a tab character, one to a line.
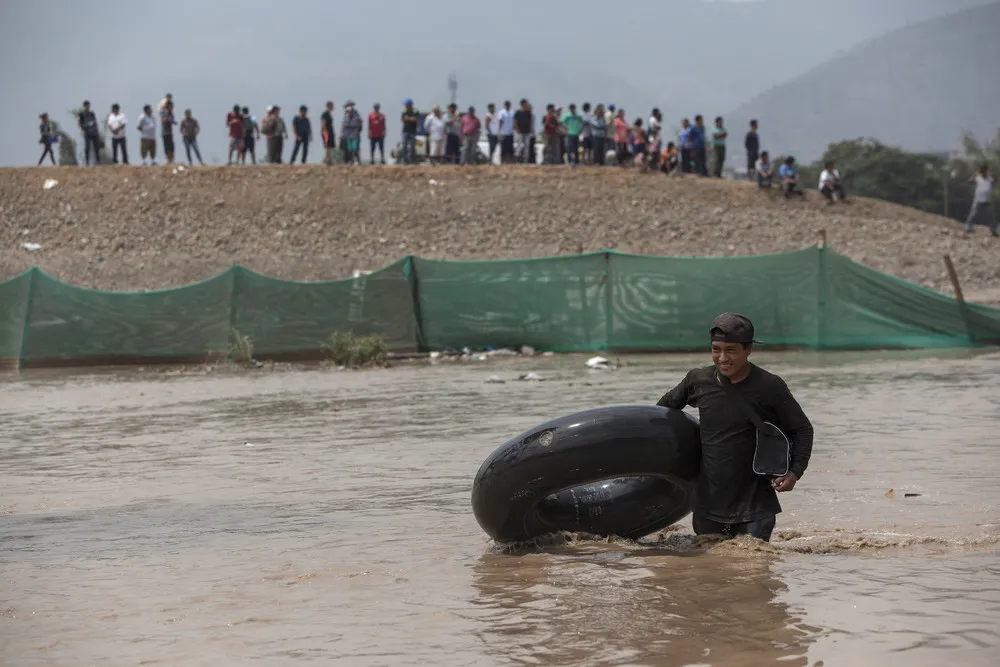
574	126
719	135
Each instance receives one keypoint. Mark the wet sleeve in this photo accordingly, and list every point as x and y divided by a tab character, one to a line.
797	427
677	397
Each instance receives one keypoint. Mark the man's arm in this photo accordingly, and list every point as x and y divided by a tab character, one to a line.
677	397
796	426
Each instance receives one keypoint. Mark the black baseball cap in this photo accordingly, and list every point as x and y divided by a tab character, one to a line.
732	328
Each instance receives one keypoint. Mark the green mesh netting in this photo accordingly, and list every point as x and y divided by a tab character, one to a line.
811	298
296	318
554	304
69	324
14	295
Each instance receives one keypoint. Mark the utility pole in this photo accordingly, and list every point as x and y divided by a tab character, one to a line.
453	87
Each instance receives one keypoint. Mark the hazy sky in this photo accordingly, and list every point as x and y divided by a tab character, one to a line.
685	56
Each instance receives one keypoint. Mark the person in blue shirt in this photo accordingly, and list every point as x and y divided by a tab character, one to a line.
698	146
788	174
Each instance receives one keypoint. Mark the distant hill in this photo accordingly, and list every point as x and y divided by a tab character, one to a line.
917	87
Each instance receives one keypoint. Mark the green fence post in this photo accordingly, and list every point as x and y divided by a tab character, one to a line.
28	307
234	299
607	301
410	271
821	297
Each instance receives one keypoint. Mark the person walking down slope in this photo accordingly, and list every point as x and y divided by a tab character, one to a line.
116	123
147	135
189	133
982	201
48	138
376	132
471	126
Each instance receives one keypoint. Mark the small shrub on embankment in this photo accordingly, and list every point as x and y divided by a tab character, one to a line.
345	348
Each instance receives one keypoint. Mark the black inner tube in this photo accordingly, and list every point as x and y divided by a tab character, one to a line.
643	502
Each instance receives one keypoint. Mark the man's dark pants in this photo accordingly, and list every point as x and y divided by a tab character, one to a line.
761	528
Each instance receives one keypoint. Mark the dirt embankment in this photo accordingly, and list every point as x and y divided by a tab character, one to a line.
135	228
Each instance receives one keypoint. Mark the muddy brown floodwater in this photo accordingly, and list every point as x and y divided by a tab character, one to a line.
317	516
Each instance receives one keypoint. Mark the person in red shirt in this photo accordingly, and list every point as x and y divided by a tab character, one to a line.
234	121
376	132
550	125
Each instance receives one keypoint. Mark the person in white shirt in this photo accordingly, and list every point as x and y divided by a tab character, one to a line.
764	171
147	131
434	127
492	124
116	130
506	121
829	183
982	201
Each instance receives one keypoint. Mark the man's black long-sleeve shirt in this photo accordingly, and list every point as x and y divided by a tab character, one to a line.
728	490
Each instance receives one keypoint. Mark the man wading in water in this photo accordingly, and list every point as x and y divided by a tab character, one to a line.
730	498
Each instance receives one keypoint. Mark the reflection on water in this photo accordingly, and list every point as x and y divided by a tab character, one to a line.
283	517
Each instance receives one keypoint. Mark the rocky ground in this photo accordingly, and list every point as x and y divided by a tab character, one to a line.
137	228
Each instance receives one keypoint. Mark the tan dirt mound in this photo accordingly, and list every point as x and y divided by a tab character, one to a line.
137	228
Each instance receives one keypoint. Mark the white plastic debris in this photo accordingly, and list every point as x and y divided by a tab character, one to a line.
32	246
597	362
435	355
494	379
180	167
175	172
532	376
358	273
50	183
248	444
433	182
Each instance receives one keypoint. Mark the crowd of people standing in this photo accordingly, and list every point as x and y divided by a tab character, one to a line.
593	135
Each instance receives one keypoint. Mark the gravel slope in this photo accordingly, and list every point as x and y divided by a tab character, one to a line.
156	228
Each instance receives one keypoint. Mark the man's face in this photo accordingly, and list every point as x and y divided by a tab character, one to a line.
730	358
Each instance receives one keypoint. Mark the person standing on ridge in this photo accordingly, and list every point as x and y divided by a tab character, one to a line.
411	121
470	127
251	133
190	128
328	134
730	498
116	123
302	128
719	135
524	123
506	121
234	123
91	134
752	144
350	128
698	146
147	135
982	201
167	122
376	132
